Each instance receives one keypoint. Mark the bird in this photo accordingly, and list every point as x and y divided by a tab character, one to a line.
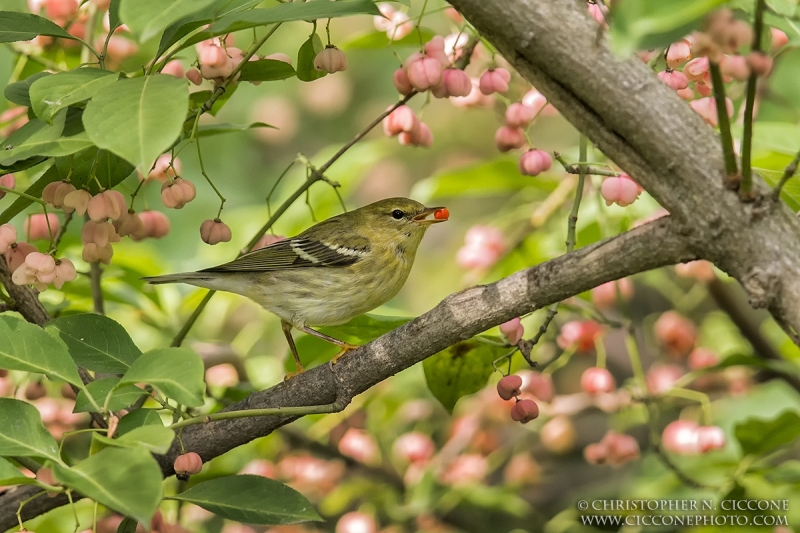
337	269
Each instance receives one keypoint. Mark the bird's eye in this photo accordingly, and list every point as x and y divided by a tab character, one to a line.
397	214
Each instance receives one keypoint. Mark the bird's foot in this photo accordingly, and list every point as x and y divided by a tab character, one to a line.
345	348
290	375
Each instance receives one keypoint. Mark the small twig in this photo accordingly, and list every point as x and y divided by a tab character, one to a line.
334	407
746	188
61	231
724	122
576	168
788	172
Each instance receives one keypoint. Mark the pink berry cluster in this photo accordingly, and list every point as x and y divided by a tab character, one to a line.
524	410
518	117
607	295
614	449
579	334
620	190
403	123
395	23
686	437
218	59
29	266
483	247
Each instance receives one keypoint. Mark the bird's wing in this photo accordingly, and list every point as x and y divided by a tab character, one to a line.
298	252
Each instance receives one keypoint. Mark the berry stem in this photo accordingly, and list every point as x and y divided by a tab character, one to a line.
746	188
635	359
700	397
63	229
791	168
724	122
600	348
203	167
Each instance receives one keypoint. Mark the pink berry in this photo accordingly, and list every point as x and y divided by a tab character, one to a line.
268	239
596	11
60	9
424	72
678	54
508	138
62	190
696	69
8	236
194	76
483	247
596	454
78	201
524	411
65	271
178	193
173	68
736	67
681	437
675	332
331	60
494	81
620	190
700	270
710	438
401	82
534	162
621	448
512	330
435	48
760	63
107	204
702	358
605	296
155	224
538	384
7	181
674	79
16	254
399	26
356	522
779	38
519	115
129	224
456	82
99	233
400	120
36	226
661	378
466	469
93	253
558	434
188	463
596	380
509	386
414	447
421	136
214	231
580	334
360	445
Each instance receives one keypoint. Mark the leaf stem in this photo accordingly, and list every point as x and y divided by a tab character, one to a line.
724	122
334	407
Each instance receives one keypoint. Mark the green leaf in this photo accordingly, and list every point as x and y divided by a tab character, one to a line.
148	18
29	348
25	164
93	168
22	432
113	14
250	499
11	475
377	40
155	439
38	138
197	99
759	436
283	13
460	370
127	480
207	130
35	190
25	26
177	372
497	176
96	342
120	399
138	118
138	418
50	94
128	525
266	70
365	328
305	59
645	24
19	92
786	472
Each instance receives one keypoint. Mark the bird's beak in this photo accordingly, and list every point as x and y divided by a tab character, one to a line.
422	218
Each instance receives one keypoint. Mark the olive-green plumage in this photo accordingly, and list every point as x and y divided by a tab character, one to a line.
338	269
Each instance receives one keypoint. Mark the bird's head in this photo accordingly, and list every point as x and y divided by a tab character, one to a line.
400	219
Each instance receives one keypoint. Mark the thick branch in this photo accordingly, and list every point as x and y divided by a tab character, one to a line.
26	301
649	131
458	317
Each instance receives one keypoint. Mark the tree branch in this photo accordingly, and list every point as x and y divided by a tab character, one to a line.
458	317
26	301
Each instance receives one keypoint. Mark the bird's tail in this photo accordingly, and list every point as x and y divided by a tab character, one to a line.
192	278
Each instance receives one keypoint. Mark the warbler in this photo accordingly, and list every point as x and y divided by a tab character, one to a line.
333	271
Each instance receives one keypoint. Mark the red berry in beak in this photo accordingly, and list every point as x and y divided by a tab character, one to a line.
441	214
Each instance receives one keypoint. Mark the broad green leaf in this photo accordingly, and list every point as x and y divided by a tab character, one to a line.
758	436
22	432
266	70
38	138
27	347
19	92
786	472
148	18
645	24
11	475
250	499
283	13
365	328
127	480
460	370
96	342
138	118
121	398
177	372
305	59
25	164
35	190
25	26
207	130
128	525
113	13
498	176
378	39
138	418
155	439
53	93
93	168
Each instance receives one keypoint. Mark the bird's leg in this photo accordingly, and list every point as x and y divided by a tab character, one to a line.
345	347
287	332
